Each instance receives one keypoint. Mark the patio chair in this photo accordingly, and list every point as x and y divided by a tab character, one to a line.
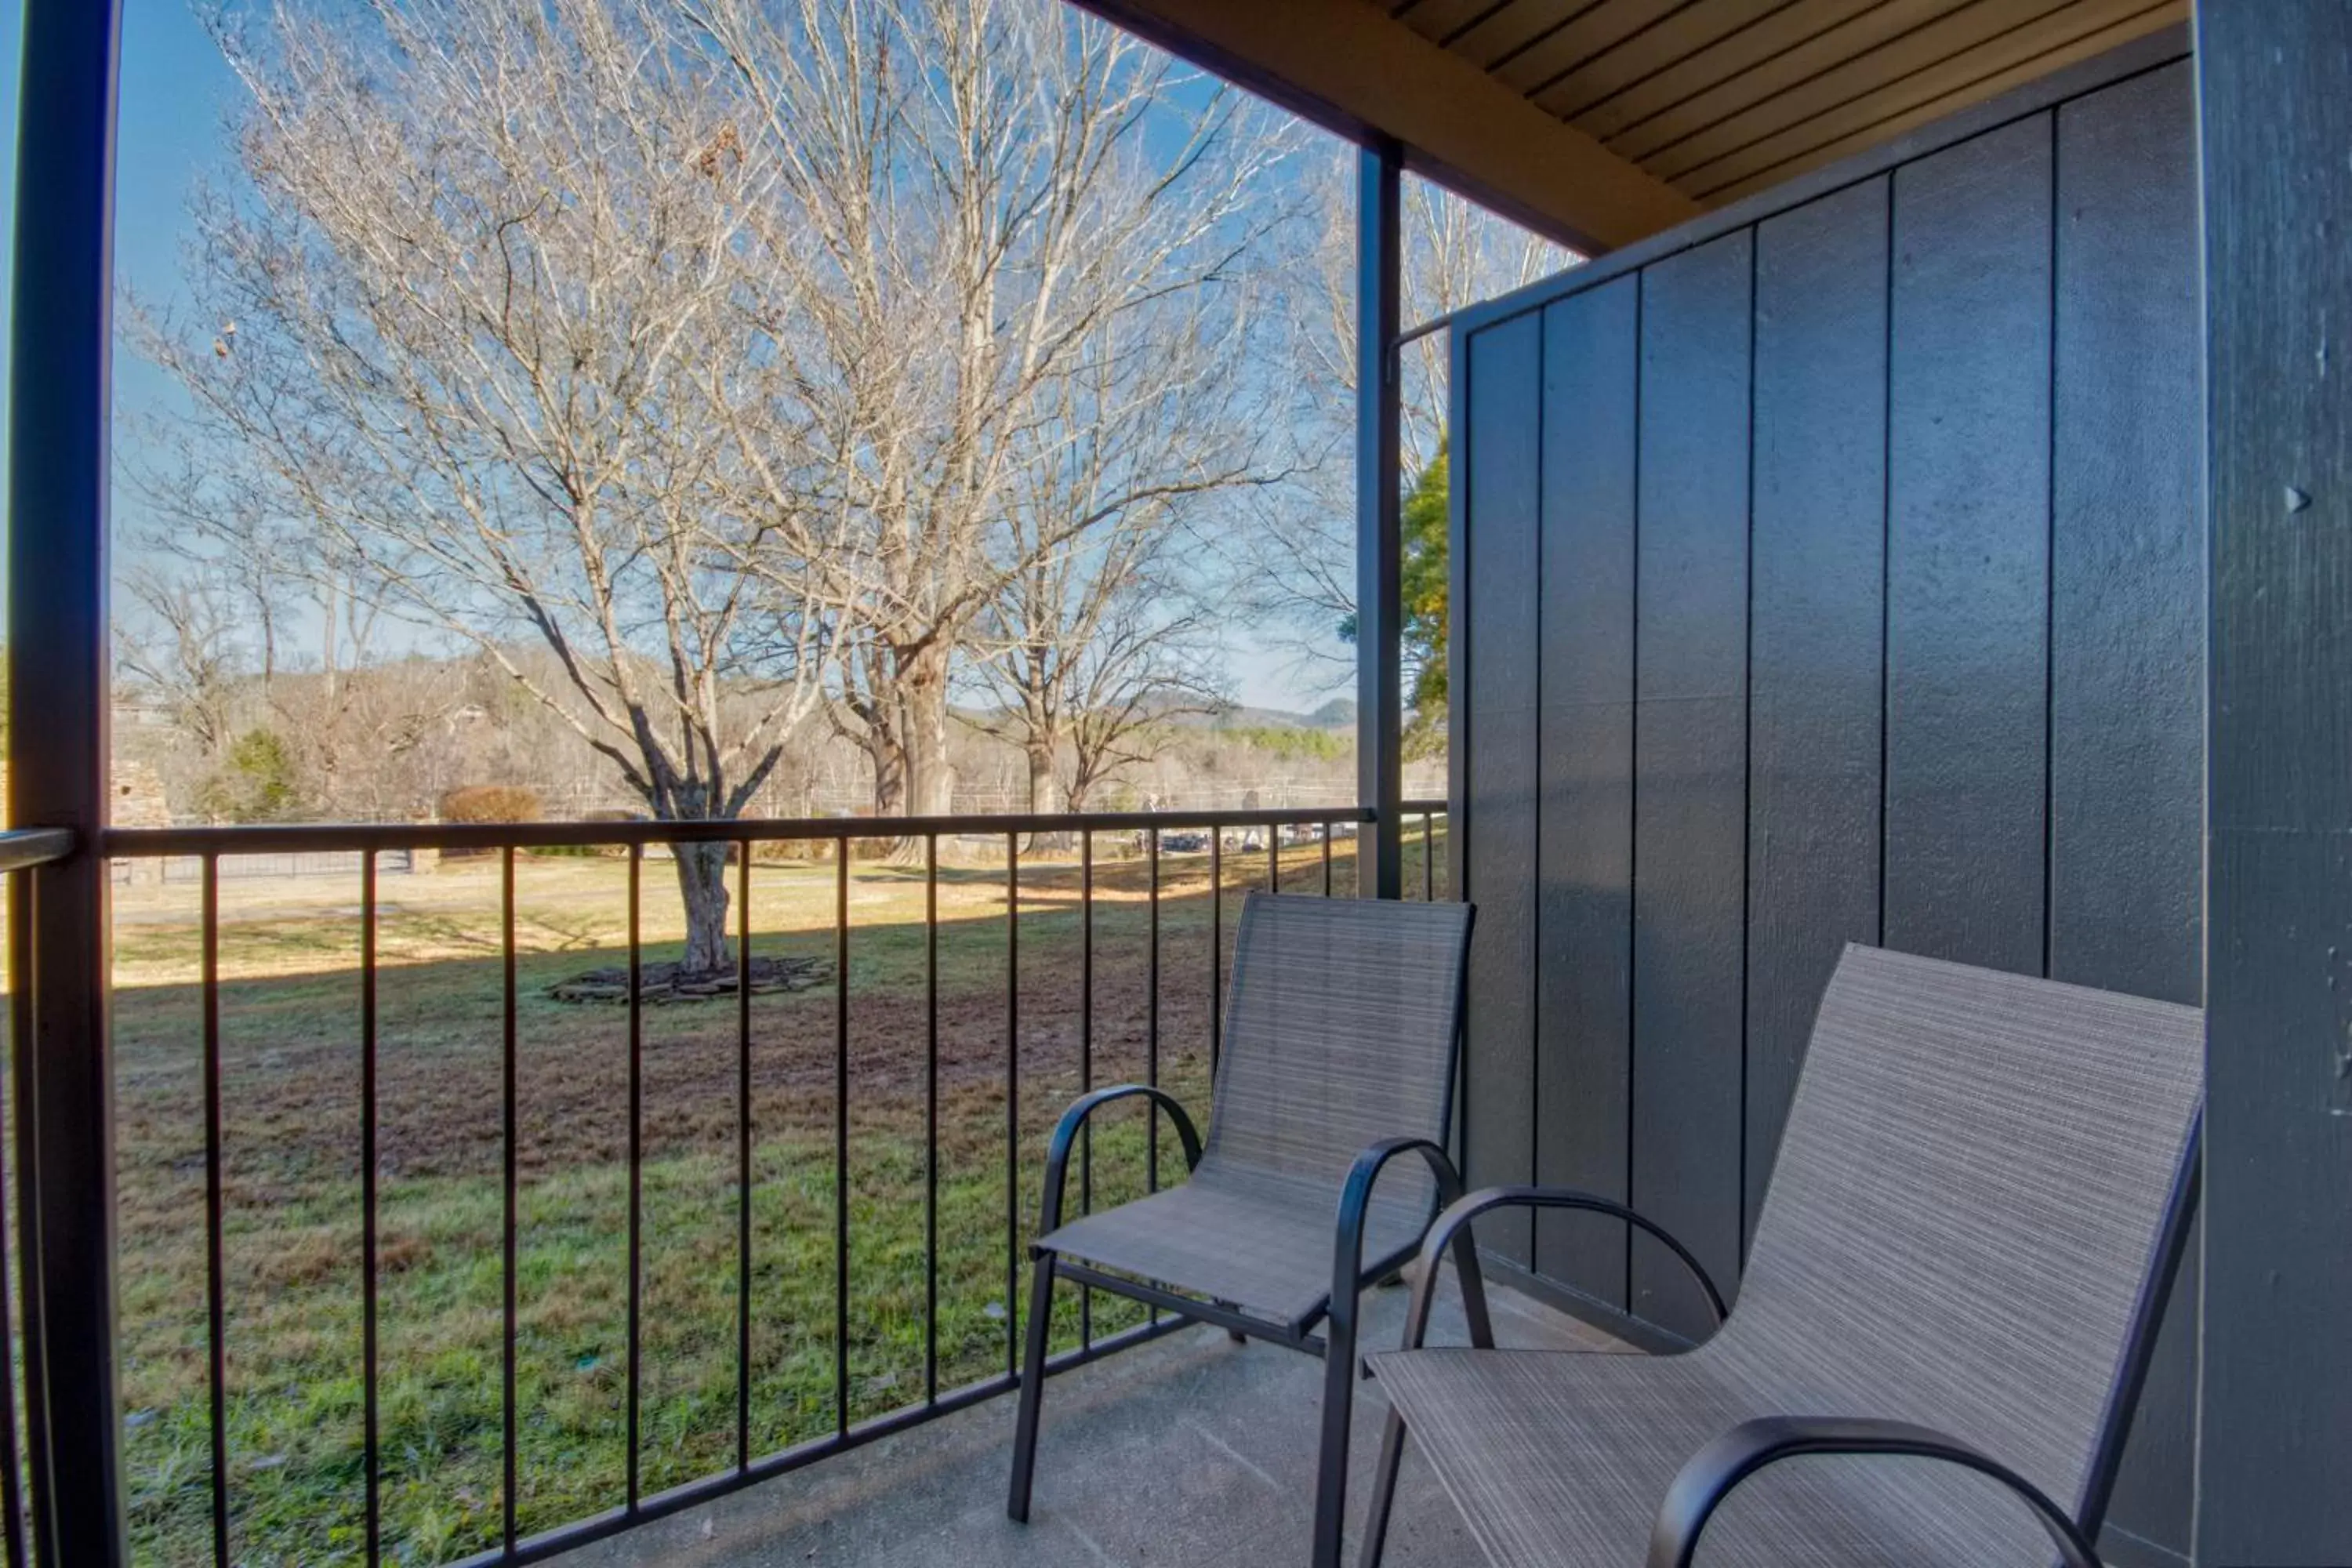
1980	1200
1338	1056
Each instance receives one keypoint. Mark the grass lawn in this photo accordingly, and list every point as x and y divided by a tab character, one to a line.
290	1033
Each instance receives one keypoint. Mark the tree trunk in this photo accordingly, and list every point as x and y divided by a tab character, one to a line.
888	753
1044	784
1044	794
923	700
904	734
702	886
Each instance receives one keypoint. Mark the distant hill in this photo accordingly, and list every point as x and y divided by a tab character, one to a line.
1339	713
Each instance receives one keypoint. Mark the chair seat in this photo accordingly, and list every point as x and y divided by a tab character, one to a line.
1560	1460
1260	1243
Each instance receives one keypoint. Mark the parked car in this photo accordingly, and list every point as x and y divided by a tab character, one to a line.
1183	843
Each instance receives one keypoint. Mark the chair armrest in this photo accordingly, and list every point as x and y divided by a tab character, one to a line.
1715	1471
1066	1133
1464	1210
1356	1198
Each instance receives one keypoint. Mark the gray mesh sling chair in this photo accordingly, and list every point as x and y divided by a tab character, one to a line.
1981	1199
1339	1038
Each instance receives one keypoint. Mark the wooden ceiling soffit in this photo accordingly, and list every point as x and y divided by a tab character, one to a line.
1345	65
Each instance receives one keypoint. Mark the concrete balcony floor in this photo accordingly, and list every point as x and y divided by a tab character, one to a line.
1187	1451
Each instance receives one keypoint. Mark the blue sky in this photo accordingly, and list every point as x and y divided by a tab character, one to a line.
175	92
176	96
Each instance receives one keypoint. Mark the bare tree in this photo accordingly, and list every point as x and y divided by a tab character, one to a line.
1302	554
180	644
1098	635
985	204
506	341
1100	650
203	530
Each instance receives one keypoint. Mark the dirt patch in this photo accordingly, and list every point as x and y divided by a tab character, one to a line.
659	983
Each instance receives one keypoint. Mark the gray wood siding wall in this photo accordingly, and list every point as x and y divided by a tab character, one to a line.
1834	575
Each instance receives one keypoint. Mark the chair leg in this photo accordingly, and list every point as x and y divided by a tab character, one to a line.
1376	1522
1339	1407
1033	1386
1474	1290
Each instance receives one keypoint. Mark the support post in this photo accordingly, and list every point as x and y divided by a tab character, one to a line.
1379	501
2274	1412
58	703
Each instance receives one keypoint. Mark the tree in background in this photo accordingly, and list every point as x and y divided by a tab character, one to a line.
259	780
179	642
1098	649
1301	579
1102	626
1007	239
483	315
1424	587
704	366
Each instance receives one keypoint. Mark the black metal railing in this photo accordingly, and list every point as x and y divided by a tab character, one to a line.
913	849
23	853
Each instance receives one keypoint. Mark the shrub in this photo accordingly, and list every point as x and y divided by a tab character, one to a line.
491	802
258	781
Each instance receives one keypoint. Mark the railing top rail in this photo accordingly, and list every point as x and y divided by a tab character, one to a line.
136	843
22	848
1417	807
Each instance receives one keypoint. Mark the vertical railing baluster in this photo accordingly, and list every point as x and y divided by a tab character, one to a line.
509	1415
931	1118
742	1156
1428	857
372	1456
1326	830
1012	1105
841	1136
1086	1057
1272	858
12	1501
214	1306
1216	946
1151	1035
636	1161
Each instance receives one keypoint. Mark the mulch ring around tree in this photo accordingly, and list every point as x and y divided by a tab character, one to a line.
664	982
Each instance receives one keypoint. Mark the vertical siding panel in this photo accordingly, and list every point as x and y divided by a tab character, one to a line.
1967	589
1500	469
2127	655
2129	629
1690	812
1815	694
2275	1365
1585	854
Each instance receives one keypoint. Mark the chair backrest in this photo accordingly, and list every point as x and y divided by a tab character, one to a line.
1977	1205
1341	1029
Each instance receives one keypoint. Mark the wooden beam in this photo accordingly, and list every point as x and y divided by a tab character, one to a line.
1347	66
